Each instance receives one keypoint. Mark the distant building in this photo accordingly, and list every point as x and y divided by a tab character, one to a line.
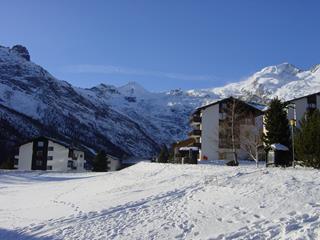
212	127
185	151
298	107
114	163
44	153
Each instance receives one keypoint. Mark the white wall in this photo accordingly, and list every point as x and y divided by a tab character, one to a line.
79	163
60	158
301	108
25	156
210	133
114	164
59	155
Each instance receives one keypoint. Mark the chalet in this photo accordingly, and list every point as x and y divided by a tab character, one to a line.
44	153
214	123
299	106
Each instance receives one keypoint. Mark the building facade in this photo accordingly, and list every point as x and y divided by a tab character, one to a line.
220	125
298	107
114	163
44	153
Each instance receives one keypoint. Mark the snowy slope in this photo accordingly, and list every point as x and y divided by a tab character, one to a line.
162	201
127	120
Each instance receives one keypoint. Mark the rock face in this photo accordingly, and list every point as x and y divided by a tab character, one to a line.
21	51
126	120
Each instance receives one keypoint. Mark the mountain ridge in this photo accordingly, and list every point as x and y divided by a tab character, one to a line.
127	120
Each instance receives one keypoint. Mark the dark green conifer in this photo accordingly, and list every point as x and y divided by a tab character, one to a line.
307	140
100	162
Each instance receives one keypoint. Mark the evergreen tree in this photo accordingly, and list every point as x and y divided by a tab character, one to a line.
277	124
163	155
100	162
171	155
7	164
307	140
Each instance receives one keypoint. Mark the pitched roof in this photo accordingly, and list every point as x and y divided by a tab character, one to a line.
294	99
65	144
256	106
184	143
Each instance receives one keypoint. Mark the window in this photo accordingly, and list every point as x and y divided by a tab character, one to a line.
40	144
72	154
50	148
81	155
38	163
225	138
49	158
16	161
223	106
222	155
39	153
312	99
311	103
223	116
70	164
247	121
49	167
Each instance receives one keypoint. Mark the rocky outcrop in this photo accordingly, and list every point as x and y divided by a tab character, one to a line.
21	51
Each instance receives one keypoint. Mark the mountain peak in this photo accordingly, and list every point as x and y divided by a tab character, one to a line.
132	88
280	68
21	51
103	88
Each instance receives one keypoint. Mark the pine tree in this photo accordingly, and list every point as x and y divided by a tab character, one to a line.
7	164
276	124
163	155
307	140
277	127
100	162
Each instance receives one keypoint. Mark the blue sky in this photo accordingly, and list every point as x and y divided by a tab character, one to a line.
162	44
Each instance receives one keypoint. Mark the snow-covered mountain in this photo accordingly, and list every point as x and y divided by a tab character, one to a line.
126	120
284	81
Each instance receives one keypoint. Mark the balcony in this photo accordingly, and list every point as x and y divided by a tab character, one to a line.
197	144
195	133
195	119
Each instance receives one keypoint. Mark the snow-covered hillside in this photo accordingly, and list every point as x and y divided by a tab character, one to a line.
284	81
162	201
125	120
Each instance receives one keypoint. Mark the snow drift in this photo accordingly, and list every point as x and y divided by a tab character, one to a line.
162	201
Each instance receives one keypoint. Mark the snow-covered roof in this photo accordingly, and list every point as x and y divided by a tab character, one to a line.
279	146
304	96
210	104
257	106
58	141
188	148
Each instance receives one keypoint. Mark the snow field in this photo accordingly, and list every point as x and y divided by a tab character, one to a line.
162	201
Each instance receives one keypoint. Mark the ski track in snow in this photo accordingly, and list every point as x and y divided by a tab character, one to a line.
162	201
